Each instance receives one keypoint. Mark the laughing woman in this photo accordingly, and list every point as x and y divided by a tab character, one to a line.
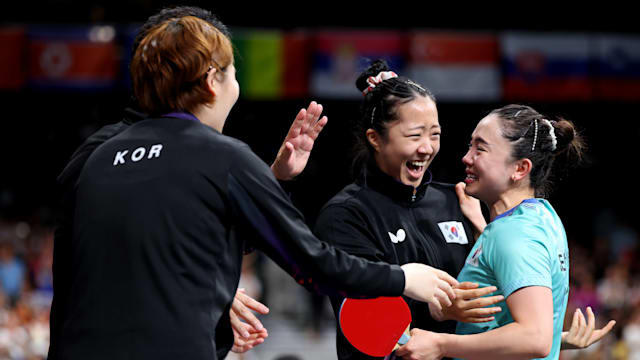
394	212
523	251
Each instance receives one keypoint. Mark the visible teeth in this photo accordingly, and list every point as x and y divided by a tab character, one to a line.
473	177
418	163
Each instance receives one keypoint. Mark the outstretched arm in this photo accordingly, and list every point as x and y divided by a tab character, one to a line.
260	204
529	336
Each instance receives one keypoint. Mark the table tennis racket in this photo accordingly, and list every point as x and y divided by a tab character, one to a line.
375	327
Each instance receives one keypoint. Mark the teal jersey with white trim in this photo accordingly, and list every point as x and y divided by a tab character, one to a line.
526	246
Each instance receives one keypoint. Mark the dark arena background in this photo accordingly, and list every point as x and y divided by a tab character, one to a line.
64	74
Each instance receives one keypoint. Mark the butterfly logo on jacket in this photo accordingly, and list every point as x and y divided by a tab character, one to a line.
398	237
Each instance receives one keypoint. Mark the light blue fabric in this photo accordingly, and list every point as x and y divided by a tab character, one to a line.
527	246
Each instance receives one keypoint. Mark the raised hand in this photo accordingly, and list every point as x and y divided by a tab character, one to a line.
295	150
583	333
470	207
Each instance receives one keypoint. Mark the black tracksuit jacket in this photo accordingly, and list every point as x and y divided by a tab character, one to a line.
162	211
381	219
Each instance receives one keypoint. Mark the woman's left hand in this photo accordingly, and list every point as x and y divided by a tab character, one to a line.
295	149
582	333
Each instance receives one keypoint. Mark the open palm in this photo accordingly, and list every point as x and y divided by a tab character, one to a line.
296	148
583	332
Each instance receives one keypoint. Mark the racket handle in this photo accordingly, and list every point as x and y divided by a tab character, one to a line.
404	339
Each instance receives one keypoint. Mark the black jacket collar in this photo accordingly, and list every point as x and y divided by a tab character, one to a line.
378	180
133	115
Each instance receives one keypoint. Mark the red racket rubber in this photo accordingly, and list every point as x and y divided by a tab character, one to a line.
375	326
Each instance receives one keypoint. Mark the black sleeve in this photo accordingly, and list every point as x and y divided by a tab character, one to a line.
64	220
67	179
258	200
346	228
287	185
248	234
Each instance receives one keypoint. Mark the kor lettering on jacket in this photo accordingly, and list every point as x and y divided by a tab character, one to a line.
136	155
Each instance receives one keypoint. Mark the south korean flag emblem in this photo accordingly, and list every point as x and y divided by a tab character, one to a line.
453	232
473	258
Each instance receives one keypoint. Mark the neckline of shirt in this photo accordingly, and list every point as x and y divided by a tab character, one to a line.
510	211
182	115
386	184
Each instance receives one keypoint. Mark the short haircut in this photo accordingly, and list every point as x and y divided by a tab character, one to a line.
178	12
170	66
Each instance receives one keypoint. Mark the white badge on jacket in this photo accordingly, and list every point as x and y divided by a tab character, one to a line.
453	232
398	237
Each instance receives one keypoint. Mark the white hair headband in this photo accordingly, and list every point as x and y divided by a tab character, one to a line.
552	134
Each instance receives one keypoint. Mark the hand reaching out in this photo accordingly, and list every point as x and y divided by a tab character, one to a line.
433	286
470	304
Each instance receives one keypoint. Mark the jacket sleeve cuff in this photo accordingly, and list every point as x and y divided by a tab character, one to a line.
397	280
